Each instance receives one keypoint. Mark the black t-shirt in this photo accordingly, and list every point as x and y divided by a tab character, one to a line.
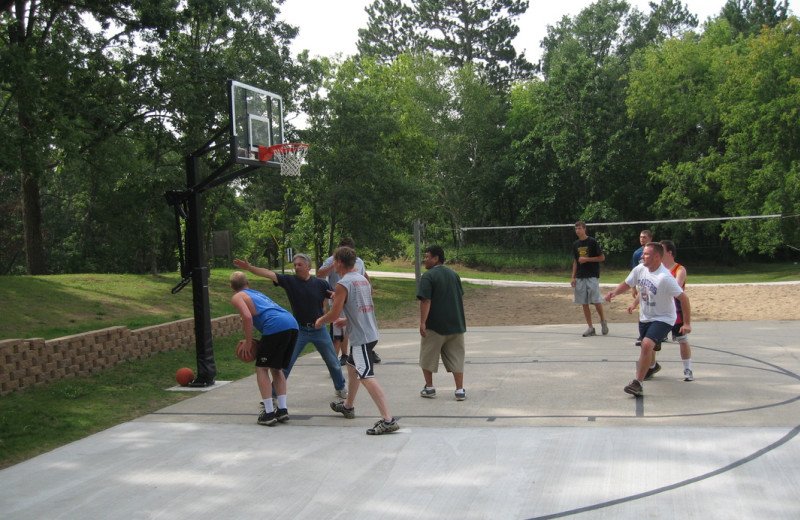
589	248
305	296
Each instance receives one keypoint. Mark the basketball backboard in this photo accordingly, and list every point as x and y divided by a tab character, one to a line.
256	120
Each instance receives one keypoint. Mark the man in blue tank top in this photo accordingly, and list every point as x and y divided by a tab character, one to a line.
278	335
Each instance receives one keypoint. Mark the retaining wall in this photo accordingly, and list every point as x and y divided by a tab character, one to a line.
28	362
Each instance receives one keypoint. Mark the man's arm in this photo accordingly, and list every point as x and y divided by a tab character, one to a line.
339	297
621	288
584	259
325	269
680	276
687	313
240	303
258	271
424	310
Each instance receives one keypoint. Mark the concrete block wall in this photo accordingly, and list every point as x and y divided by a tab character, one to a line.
28	362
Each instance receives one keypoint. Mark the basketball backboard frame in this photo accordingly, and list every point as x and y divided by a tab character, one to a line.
256	119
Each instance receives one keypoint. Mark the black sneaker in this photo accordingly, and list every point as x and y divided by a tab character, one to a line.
282	414
382	427
200	382
343	359
652	371
634	388
267	419
375	357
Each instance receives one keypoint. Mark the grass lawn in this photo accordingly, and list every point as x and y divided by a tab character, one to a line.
39	419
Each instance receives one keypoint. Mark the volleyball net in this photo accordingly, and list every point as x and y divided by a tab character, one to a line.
550	245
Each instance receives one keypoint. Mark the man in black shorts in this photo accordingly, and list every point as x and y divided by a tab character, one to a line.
278	335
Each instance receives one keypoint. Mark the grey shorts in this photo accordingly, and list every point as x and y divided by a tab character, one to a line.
587	290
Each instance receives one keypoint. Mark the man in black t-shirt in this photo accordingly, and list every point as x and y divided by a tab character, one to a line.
587	256
307	296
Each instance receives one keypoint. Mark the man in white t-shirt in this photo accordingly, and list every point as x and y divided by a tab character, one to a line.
657	288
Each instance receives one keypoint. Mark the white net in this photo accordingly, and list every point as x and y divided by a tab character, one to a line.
290	156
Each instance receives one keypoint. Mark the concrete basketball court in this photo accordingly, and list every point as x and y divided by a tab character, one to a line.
546	432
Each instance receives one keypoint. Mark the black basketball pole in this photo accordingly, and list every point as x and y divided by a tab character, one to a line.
206	367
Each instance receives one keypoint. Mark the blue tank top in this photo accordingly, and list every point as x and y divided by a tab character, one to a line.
270	318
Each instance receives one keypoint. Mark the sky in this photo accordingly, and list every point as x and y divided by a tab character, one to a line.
328	27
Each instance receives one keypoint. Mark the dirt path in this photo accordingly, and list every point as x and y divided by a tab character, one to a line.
486	306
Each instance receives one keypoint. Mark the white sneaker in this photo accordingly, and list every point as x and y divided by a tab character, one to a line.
342	393
461	395
604	327
687	375
589	332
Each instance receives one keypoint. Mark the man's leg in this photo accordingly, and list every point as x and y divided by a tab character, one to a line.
599	307
428	375
376	392
322	342
262	379
645	359
587	313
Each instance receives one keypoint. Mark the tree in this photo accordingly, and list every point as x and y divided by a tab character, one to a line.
749	16
390	30
51	60
477	33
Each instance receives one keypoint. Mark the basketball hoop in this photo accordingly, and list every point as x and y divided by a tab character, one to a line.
289	155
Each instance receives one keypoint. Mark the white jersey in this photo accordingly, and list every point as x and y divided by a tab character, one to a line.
333	276
656	292
359	309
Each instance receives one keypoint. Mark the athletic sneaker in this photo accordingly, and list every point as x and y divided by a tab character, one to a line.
267	419
461	395
652	371
375	357
282	414
589	332
687	375
349	413
382	427
342	392
428	391
634	388
638	343
604	327
343	360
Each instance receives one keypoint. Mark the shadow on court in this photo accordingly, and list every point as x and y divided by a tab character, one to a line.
546	432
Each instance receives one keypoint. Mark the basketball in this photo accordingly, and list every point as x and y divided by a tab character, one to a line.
247	353
184	376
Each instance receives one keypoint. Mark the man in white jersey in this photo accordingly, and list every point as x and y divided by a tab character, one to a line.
339	334
657	290
353	295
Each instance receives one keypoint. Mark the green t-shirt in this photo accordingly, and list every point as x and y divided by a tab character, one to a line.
442	286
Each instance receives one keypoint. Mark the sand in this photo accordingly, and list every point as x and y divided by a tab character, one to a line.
508	306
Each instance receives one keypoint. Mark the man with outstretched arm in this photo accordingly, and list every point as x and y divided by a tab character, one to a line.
307	295
658	290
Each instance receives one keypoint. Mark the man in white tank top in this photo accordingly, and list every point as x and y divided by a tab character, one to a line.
353	295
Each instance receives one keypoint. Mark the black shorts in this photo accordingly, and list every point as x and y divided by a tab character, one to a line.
275	350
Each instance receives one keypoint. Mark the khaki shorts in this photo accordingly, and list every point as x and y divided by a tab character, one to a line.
450	348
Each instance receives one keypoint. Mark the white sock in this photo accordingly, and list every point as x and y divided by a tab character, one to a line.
282	401
268	405
654	365
687	364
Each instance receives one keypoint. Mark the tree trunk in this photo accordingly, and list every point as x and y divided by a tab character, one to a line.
32	224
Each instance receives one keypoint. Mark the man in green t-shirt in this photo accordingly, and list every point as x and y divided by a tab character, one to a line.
442	324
